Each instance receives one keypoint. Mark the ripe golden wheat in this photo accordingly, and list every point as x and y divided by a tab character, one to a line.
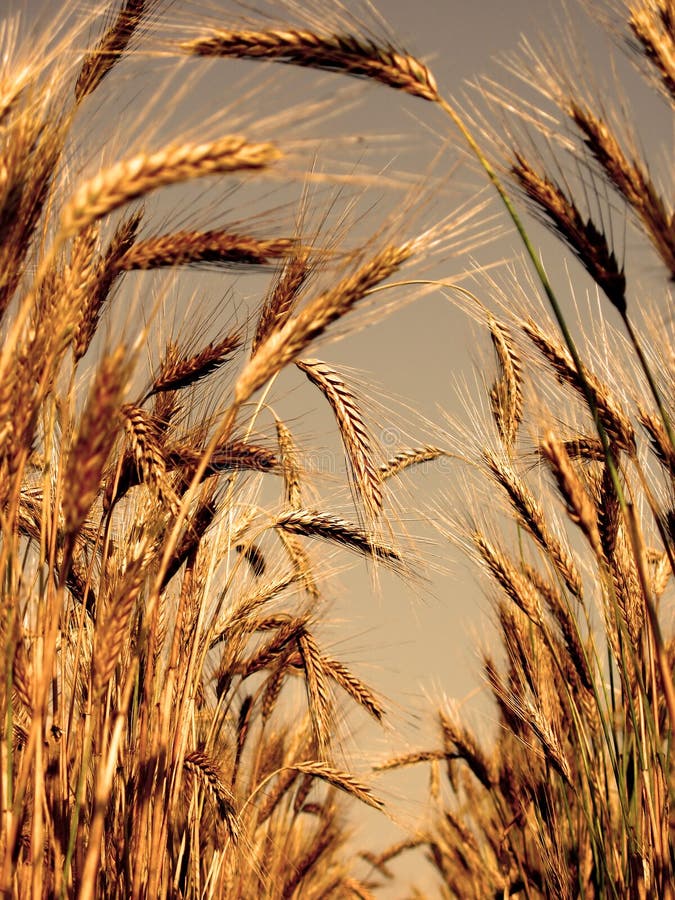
157	607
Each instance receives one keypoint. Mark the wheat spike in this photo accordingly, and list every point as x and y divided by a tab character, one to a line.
406	458
342	780
217	247
580	507
318	692
532	517
141	174
335	52
353	429
587	242
630	178
206	772
282	297
101	59
285	344
331	528
95	438
652	24
506	396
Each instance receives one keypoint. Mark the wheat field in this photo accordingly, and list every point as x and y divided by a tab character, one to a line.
173	718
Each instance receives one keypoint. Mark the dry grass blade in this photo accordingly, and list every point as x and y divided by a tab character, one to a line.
331	528
141	174
342	780
335	52
218	247
353	429
586	241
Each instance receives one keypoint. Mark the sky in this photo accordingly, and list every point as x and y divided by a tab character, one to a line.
413	644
